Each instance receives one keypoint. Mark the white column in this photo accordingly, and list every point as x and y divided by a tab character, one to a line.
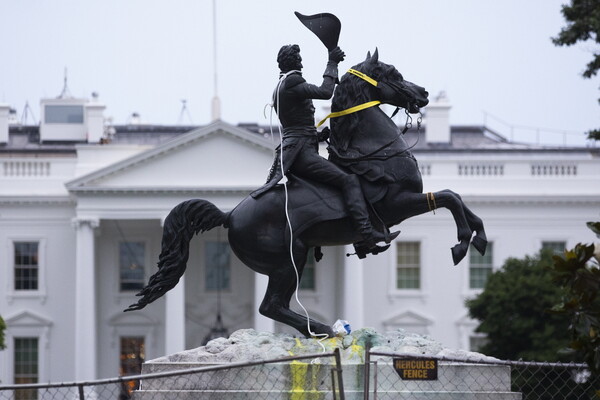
353	308
175	318
86	351
261	323
174	314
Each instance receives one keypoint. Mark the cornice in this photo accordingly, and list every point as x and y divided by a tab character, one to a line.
161	190
22	200
592	199
509	151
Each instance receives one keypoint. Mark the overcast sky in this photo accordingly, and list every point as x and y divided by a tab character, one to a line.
146	56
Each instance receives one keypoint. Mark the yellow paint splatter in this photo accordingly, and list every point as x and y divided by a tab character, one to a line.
303	386
298	370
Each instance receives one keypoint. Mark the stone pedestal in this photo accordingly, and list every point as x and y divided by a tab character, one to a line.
312	378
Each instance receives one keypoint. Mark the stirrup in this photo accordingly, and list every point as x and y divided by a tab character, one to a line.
362	251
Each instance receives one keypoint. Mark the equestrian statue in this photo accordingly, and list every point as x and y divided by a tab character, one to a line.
370	182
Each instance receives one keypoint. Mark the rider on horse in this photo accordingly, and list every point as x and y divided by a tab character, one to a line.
292	100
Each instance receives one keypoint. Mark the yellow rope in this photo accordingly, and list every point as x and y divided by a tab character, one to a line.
363	76
358	107
349	111
431	199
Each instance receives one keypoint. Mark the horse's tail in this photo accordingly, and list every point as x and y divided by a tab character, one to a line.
182	223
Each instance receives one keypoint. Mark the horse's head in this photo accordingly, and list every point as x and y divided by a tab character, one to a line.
391	87
372	80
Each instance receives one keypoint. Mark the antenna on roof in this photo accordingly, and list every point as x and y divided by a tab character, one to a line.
184	111
25	115
65	92
216	102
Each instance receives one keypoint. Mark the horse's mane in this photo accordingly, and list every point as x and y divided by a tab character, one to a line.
353	91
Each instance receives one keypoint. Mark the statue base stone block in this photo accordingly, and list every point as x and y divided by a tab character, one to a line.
474	376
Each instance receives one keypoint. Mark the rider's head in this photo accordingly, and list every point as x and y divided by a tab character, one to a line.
289	58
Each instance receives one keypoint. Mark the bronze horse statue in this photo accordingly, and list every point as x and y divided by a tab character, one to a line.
367	143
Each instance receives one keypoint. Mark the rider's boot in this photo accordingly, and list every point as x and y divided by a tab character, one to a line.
357	207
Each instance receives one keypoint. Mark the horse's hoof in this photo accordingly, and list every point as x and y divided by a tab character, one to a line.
319	331
459	252
479	244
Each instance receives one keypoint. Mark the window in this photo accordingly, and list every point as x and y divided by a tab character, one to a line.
408	266
557	247
217	268
131	265
26	265
131	358
64	114
26	366
307	282
480	267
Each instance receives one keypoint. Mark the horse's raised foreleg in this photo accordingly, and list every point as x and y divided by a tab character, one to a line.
452	202
413	204
479	241
276	303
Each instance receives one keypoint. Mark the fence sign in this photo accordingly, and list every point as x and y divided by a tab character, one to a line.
417	369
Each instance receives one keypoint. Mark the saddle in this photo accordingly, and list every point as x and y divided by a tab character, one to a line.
311	202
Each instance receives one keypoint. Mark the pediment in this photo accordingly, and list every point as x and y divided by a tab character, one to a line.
27	319
219	156
407	318
131	319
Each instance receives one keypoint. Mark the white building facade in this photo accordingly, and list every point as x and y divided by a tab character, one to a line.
81	215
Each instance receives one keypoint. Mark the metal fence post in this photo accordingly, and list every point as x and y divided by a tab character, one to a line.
338	363
81	394
375	381
333	383
367	371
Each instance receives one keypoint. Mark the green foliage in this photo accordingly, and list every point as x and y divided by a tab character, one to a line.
579	273
583	24
594	134
2	328
512	311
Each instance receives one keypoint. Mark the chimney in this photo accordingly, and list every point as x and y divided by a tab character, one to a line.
95	121
4	116
438	120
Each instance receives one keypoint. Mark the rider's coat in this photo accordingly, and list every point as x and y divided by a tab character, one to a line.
292	100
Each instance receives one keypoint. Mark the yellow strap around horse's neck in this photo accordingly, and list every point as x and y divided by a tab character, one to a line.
358	107
349	111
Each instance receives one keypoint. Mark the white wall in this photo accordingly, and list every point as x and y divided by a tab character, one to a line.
50	224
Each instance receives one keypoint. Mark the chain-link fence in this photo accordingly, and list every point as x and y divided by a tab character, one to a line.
410	376
315	376
320	376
